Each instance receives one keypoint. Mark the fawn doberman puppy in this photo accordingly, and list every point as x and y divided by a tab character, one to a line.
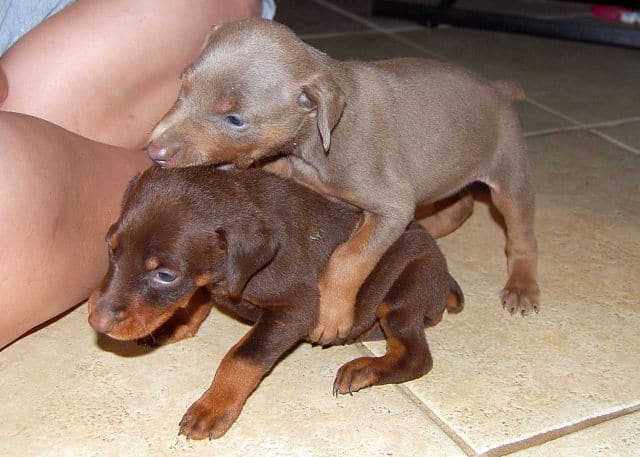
257	243
385	136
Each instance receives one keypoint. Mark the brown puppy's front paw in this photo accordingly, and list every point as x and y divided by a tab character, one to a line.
521	298
204	421
355	375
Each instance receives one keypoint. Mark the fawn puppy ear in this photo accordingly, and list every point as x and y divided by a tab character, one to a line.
248	249
329	101
211	35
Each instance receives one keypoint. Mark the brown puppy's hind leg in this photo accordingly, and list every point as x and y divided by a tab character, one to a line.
448	218
407	355
454	305
402	319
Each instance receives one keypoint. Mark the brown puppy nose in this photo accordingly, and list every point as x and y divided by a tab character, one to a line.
100	322
161	154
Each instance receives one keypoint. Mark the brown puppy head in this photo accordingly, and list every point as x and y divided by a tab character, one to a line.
174	236
256	90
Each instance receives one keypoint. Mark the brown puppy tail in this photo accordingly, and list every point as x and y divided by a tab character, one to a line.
509	90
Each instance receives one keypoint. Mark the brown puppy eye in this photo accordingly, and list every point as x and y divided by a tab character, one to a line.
164	276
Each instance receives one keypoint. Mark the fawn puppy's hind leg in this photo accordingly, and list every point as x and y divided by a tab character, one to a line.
512	194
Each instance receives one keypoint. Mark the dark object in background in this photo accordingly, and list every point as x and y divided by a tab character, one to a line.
445	13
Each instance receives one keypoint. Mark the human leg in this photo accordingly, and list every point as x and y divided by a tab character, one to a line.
109	69
106	70
59	192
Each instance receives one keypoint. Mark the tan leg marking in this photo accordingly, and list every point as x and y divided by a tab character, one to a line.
339	284
218	408
368	371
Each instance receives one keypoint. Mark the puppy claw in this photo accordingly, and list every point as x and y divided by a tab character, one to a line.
520	299
356	375
203	421
324	336
332	324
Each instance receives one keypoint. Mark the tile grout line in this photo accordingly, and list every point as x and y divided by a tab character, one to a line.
376	27
391	33
550	435
548	109
594	125
586	127
391	30
425	410
618	143
442	425
514	446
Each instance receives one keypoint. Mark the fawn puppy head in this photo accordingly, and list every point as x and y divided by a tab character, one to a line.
256	90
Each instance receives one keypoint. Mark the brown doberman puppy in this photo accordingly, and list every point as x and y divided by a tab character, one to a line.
258	243
384	136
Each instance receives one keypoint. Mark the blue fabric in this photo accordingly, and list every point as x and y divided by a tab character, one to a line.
17	17
268	9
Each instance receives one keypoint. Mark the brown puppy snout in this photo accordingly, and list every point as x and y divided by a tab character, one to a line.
102	321
103	318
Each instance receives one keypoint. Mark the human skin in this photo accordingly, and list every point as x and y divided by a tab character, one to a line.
84	90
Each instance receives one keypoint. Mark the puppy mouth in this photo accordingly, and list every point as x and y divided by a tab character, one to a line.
225	166
135	327
161	162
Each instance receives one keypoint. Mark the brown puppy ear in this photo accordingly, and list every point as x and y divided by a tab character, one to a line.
248	249
329	101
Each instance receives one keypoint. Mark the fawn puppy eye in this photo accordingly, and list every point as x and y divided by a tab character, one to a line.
235	120
304	100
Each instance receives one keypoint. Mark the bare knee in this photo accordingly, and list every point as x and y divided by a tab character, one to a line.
58	194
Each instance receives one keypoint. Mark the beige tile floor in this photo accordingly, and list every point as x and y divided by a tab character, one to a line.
565	382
